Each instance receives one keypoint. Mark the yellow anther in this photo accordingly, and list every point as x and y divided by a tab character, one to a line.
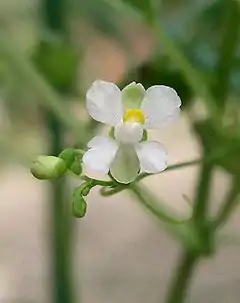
134	115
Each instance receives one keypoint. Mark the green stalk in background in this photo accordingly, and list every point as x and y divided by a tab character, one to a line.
49	59
227	51
60	241
182	278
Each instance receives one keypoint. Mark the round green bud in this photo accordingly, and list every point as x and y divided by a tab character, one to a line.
76	167
79	206
68	155
48	167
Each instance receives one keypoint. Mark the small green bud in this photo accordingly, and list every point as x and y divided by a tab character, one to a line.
132	95
73	160
76	167
79	205
68	155
48	167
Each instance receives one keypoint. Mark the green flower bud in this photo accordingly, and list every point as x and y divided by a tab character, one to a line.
48	167
76	167
132	95
68	155
79	205
72	158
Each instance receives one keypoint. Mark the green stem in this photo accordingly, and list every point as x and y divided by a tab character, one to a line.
172	167
178	290
107	192
227	50
202	192
180	283
231	202
61	237
54	17
148	200
54	12
218	154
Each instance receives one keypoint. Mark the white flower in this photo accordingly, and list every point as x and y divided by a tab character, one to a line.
129	112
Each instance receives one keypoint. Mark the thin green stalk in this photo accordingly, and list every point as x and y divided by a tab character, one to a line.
202	192
218	154
60	215
180	283
54	18
172	167
227	52
229	205
148	200
178	290
107	192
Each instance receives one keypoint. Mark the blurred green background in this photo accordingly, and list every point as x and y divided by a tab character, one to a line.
50	52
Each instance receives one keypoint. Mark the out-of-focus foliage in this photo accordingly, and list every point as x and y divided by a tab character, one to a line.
195	27
47	58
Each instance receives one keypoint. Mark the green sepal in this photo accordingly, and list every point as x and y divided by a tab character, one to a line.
68	155
76	167
73	160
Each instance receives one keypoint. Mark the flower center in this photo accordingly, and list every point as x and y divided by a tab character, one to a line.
128	132
133	115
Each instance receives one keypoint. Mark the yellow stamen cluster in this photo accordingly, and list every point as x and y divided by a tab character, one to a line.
133	115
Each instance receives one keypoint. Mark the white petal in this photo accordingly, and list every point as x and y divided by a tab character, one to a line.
160	106
152	156
104	102
125	166
93	174
99	141
101	154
